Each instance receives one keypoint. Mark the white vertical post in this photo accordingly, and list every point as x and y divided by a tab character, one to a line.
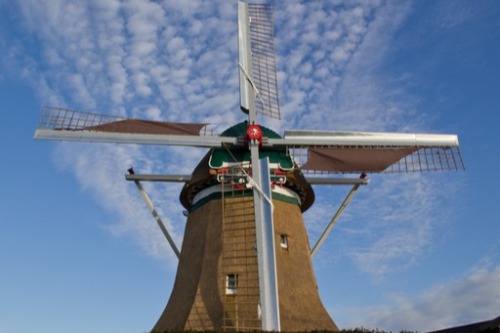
247	93
264	227
266	249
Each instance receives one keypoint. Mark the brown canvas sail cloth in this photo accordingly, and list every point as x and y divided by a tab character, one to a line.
136	126
354	159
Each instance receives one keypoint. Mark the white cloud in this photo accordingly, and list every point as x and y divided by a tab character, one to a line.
471	298
391	222
177	61
388	225
101	168
325	38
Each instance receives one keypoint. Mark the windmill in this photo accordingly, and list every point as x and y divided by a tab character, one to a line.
245	261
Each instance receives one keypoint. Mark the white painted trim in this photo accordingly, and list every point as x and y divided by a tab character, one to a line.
227	188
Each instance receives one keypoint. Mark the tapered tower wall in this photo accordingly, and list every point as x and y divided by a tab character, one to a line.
220	244
301	308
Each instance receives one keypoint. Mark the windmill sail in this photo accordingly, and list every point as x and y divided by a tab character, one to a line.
263	215
264	59
70	125
348	152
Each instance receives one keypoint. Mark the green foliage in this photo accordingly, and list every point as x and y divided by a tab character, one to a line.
366	330
351	330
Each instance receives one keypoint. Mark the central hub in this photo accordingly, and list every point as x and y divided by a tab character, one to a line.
254	132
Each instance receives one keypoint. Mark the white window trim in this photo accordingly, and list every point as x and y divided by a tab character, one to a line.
231	289
284	241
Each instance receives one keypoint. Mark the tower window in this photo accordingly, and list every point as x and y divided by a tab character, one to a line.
231	284
284	241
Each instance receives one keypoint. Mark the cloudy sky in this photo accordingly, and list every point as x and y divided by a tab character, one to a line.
79	251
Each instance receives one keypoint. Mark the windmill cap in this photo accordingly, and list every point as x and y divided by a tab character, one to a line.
217	159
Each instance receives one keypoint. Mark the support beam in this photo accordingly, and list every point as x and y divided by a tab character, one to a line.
337	181
187	178
159	178
334	219
156	216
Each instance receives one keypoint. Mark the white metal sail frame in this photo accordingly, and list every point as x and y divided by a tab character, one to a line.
134	138
266	257
70	125
426	152
373	139
353	139
347	152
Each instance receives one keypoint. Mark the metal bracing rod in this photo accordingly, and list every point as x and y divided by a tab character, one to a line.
157	217
336	181
187	178
159	178
334	220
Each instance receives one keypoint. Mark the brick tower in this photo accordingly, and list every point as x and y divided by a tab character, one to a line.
217	285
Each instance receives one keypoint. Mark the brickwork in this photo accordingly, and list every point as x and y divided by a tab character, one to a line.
220	244
239	258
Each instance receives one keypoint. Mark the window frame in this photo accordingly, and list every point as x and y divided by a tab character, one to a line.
231	284
284	241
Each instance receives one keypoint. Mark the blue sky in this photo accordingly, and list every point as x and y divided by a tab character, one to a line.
79	251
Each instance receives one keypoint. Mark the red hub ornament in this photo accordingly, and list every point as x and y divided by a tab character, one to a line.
254	132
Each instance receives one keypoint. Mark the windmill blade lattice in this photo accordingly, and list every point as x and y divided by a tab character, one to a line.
69	125
264	59
370	152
